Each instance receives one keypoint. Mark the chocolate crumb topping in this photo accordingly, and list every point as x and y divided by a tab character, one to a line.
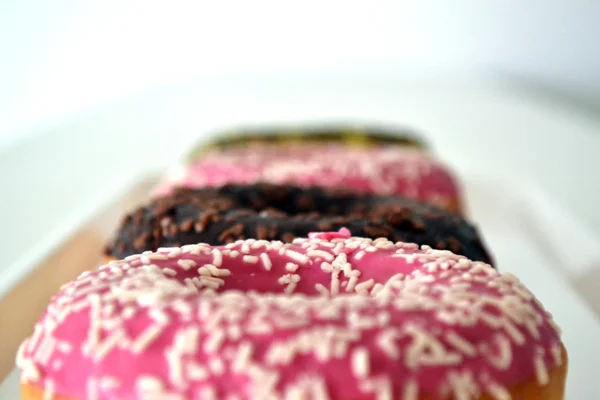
281	212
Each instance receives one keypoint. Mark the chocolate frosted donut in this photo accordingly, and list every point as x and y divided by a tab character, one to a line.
279	212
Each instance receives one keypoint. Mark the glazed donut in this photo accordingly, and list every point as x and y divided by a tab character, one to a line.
330	317
264	211
323	134
375	170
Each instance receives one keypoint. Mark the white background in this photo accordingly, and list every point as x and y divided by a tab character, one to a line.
60	57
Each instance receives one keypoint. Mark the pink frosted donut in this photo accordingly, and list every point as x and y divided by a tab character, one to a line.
330	317
375	170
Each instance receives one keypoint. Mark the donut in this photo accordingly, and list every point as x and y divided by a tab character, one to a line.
219	215
282	136
326	317
404	172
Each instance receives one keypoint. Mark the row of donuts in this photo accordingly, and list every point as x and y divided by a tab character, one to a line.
332	264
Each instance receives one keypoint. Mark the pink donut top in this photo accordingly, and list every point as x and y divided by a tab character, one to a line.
378	170
323	318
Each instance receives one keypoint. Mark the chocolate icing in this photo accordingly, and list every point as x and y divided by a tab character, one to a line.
282	212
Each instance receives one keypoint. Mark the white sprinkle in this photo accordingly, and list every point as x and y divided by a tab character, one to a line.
145	259
351	283
217	257
144	339
243	357
321	254
498	392
57	365
214	271
108	344
299	257
109	383
196	372
169	271
381	387
30	371
360	362
234	253
174	253
128	312
214	341
264	257
64	347
321	289
208	393
556	351
386	342
49	389
335	282
461	344
503	359
411	390
364	287
149	384
371	249
359	255
326	267
291	267
245	248
514	332
250	259
186	264
541	372
217	366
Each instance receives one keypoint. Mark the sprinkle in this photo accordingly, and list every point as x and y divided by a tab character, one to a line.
461	344
144	339
108	344
411	390
299	257
351	283
541	372
321	289
217	366
214	341
359	255
217	257
250	259
360	362
30	371
169	271
147	383
174	253
243	357
291	267
145	259
365	286
321	254
186	264
264	257
386	342
498	392
196	372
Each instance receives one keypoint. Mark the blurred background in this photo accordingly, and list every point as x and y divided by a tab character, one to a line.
61	57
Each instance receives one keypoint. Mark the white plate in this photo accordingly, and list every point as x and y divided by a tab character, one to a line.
496	208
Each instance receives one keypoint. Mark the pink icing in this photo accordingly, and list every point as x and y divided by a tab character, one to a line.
321	318
343	233
386	171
